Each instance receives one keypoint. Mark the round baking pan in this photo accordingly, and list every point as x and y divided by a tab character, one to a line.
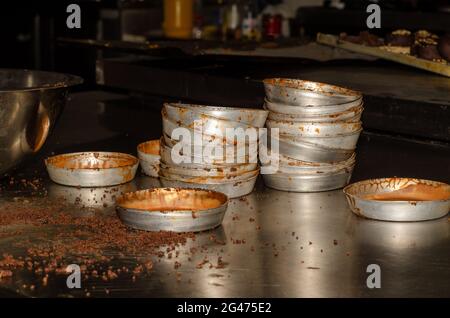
313	111
353	114
307	93
172	209
232	189
92	169
248	116
149	157
308	182
399	199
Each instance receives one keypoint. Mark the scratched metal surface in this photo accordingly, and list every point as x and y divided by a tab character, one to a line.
292	254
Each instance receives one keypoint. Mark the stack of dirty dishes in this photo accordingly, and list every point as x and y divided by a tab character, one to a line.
199	147
319	126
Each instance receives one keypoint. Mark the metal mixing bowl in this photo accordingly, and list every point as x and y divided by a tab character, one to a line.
30	103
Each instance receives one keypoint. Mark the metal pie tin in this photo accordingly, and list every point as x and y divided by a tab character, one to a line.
92	169
399	199
172	209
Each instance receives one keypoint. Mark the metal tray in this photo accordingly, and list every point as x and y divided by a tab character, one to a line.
149	157
92	169
399	199
172	209
307	93
231	189
308	182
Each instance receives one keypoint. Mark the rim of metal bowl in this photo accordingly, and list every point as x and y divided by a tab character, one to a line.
200	107
306	85
67	80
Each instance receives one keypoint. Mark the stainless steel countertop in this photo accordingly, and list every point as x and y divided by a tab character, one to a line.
299	244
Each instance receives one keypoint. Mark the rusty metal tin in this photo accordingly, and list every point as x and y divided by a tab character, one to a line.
232	189
247	116
292	166
168	173
315	129
307	93
209	172
312	111
202	163
308	182
149	157
311	152
239	153
172	209
209	133
353	115
92	169
212	129
399	199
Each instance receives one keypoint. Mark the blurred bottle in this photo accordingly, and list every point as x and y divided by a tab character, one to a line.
272	24
250	21
233	21
197	30
178	18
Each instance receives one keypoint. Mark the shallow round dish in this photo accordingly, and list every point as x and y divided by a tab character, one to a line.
216	153
249	116
312	111
234	189
166	172
172	209
149	157
209	133
92	169
307	93
352	115
308	182
308	151
210	126
293	166
199	162
399	199
313	129
208	172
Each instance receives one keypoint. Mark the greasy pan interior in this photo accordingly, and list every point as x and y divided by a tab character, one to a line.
172	199
151	147
400	189
92	160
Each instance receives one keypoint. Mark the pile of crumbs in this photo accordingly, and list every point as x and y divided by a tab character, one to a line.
80	240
